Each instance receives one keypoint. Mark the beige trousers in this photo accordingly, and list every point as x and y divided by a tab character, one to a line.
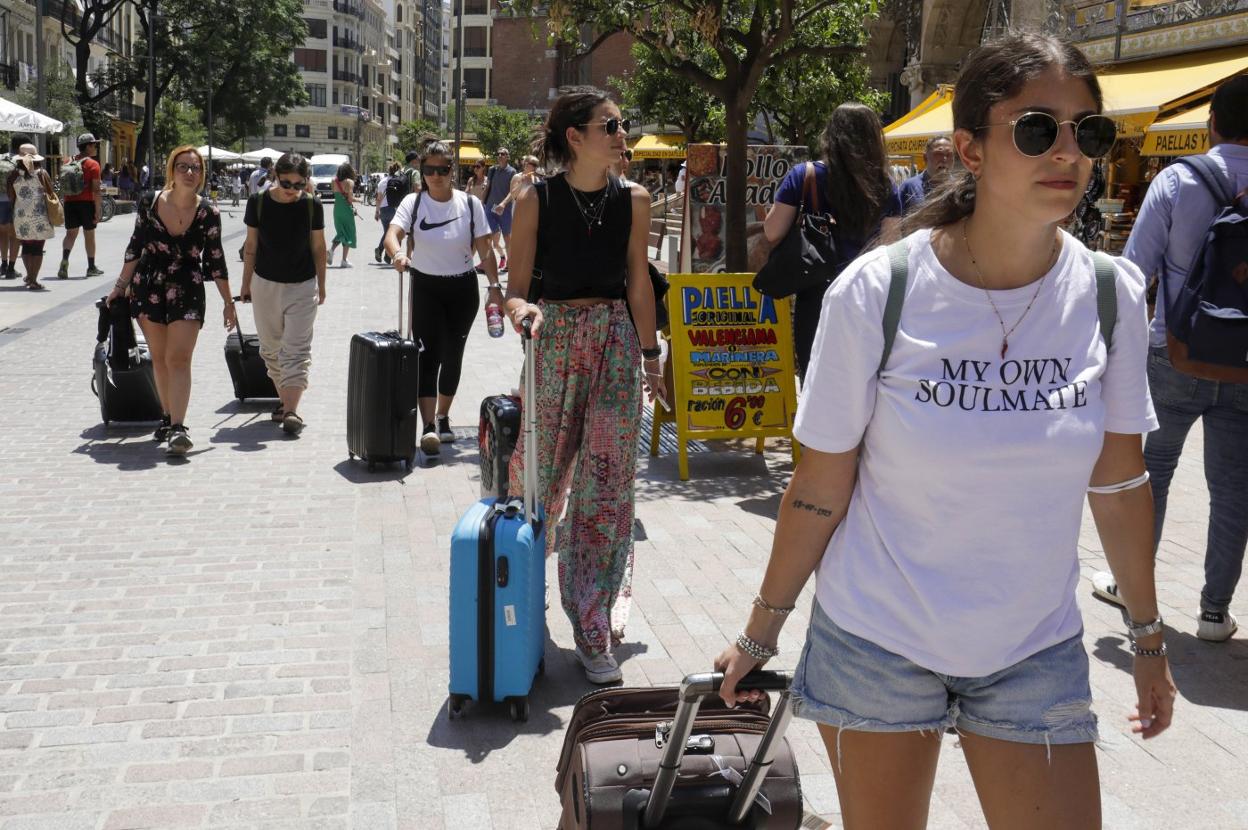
285	312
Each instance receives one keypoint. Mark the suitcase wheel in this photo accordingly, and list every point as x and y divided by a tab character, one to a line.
455	708
520	709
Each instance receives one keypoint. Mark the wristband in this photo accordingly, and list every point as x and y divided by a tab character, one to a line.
763	605
652	354
1138	630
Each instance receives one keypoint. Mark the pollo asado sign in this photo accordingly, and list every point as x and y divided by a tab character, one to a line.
732	358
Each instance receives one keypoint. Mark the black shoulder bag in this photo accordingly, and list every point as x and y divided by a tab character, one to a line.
808	255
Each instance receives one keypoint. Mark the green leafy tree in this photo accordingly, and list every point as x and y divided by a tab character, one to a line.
415	134
236	54
661	96
500	127
61	103
797	98
747	37
178	123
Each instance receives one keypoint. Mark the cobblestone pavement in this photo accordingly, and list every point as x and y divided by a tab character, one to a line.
256	636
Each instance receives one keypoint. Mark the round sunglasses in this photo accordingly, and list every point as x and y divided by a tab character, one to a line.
1035	133
609	126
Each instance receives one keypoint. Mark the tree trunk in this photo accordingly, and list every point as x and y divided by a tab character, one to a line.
736	258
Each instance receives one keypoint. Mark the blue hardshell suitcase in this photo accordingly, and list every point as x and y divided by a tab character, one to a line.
498	588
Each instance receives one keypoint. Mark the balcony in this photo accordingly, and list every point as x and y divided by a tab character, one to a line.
345	75
1134	28
351	43
8	75
351	9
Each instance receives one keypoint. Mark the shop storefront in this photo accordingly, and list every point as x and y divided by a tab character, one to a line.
906	137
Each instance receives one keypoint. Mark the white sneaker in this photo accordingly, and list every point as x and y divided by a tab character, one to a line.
1216	626
1104	588
601	668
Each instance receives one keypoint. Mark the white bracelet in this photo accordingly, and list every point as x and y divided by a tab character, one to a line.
1120	487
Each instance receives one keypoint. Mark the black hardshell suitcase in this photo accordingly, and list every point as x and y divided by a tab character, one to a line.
247	370
382	413
496	436
126	394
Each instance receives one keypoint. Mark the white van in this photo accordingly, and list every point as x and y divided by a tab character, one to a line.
324	171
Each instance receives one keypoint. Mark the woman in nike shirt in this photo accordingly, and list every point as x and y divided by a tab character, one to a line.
447	227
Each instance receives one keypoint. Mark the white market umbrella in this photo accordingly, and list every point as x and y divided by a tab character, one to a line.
218	154
257	155
16	118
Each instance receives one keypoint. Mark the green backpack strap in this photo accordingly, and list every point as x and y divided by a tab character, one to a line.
1106	295
899	274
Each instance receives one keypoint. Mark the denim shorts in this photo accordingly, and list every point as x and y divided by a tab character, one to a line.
6	212
853	684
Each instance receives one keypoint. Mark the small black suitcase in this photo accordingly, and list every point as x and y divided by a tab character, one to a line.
129	393
382	417
496	435
247	370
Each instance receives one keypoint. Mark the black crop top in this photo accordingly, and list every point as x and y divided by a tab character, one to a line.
578	260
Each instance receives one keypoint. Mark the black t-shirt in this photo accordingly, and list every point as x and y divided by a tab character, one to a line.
285	250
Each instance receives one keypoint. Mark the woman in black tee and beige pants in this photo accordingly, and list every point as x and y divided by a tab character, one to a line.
284	252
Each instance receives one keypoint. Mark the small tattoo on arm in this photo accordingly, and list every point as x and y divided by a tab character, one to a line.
798	504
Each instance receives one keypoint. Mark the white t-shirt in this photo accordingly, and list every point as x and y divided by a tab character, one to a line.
959	549
381	191
259	178
441	232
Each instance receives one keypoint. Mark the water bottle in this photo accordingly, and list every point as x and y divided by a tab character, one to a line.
494	319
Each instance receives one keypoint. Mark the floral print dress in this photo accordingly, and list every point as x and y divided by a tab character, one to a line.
30	209
168	284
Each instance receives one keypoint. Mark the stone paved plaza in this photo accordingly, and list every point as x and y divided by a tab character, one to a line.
256	636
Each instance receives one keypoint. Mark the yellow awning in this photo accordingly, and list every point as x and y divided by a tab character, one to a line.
1136	93
470	152
1184	134
908	135
659	147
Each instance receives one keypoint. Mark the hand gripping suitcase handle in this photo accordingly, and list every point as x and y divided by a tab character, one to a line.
692	690
530	423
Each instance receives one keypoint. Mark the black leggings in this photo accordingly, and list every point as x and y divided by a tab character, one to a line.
443	310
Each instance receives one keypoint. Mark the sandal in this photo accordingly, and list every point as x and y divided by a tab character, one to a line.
35	285
278	414
292	423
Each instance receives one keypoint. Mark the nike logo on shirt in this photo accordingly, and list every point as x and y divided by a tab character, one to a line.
425	226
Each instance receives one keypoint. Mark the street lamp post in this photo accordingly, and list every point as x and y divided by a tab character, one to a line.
41	83
149	114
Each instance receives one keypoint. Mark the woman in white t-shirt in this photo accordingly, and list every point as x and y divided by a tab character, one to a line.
941	491
447	227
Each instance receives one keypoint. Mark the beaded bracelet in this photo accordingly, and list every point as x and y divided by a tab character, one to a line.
1148	652
755	649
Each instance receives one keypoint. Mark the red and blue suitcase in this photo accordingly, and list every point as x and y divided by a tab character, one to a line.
383	372
498	587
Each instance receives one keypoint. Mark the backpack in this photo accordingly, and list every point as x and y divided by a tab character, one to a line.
397	186
899	275
72	178
1207	322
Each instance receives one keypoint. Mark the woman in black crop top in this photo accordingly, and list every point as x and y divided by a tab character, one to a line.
589	231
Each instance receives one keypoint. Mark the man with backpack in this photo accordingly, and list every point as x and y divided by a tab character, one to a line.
80	191
1189	234
8	236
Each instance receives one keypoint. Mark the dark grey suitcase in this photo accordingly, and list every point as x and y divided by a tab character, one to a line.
126	393
382	417
247	370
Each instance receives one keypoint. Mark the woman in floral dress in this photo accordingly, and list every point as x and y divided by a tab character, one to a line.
175	248
28	185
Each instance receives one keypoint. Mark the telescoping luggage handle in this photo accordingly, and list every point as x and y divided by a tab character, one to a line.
530	423
238	323
692	690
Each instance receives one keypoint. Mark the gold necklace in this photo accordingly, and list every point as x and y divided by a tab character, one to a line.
1005	335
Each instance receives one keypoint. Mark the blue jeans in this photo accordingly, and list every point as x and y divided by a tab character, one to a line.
1223	409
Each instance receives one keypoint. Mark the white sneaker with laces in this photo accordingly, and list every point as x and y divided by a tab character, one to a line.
1216	626
1104	588
600	668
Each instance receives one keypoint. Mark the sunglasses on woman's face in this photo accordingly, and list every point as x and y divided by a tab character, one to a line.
287	184
1036	133
435	170
610	126
184	168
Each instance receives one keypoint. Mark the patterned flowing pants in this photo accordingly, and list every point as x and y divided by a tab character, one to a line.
588	371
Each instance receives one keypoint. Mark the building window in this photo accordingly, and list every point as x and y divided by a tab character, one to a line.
279	130
335	96
316	28
333	134
573	68
476	6
398	13
474	42
474	82
316	94
310	60
302	131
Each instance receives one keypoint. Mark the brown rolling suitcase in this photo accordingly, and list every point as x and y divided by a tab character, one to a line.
669	758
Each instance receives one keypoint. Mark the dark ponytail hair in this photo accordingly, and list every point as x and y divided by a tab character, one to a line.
858	185
571	109
993	73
